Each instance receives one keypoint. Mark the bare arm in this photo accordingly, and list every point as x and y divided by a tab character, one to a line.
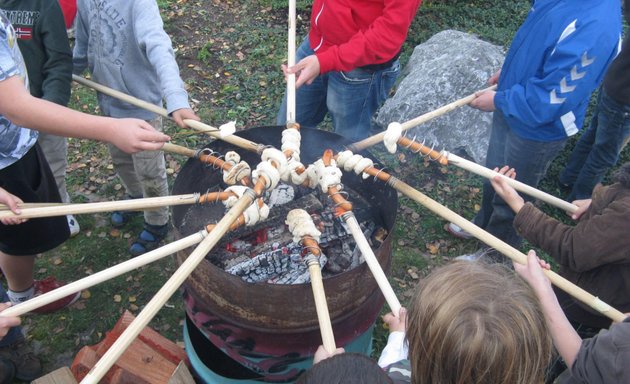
565	338
130	135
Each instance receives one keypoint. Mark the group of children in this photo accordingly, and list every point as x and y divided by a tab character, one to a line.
468	322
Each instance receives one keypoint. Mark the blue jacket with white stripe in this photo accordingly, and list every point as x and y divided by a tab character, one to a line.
556	59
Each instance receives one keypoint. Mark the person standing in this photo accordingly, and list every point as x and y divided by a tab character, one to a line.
349	62
43	41
124	46
557	58
599	146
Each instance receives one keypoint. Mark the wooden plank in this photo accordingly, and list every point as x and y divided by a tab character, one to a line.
181	375
62	375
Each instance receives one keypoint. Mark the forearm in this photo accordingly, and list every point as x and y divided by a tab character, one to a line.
42	115
564	336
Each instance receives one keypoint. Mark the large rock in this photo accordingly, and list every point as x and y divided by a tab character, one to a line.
448	66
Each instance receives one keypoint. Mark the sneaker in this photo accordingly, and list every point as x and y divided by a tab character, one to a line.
47	285
149	239
120	218
73	225
484	252
27	365
457	231
7	371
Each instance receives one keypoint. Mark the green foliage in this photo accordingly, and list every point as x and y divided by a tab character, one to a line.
300	5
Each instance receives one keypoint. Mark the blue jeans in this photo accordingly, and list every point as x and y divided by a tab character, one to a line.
599	147
529	158
14	333
351	98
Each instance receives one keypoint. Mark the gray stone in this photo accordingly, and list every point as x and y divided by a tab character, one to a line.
447	67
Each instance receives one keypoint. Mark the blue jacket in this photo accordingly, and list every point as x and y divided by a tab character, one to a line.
556	59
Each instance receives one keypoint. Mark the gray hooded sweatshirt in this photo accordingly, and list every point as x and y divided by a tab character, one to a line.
124	45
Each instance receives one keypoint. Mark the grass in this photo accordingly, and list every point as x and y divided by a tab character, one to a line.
229	57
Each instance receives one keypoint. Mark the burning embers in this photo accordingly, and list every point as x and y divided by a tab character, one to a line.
266	251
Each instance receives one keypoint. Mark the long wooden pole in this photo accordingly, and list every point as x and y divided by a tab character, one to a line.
504	248
144	317
199	126
518	185
321	306
104	275
372	262
105	206
291	62
372	140
445	157
494	242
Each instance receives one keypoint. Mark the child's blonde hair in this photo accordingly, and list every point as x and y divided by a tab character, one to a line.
472	322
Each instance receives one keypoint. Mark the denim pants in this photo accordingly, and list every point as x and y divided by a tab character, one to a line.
598	148
14	333
351	98
529	158
144	175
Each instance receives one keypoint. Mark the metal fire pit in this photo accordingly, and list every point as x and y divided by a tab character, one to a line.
267	327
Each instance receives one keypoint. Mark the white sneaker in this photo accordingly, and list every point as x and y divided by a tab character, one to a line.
475	255
73	225
457	231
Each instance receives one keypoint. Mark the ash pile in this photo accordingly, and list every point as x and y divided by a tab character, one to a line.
265	252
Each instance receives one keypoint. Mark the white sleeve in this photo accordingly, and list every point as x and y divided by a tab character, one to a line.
395	350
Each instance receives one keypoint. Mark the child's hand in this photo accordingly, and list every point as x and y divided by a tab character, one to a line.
134	135
8	321
182	114
396	323
484	101
506	191
305	71
322	354
12	202
583	206
533	273
494	79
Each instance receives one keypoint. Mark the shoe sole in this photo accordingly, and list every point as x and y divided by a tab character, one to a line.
459	234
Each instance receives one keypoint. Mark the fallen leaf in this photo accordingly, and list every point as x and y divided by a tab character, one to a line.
85	294
117	298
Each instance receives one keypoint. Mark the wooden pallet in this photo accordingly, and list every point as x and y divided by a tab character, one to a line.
150	359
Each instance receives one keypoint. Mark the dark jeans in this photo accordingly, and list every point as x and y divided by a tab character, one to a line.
351	97
599	147
14	333
529	158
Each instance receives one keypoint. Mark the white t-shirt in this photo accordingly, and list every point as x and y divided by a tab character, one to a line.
15	141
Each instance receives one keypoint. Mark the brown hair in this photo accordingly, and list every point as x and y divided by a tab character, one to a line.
472	322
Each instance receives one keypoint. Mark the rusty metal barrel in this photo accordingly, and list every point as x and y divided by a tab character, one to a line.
271	330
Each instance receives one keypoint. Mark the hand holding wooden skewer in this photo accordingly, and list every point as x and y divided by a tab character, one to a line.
11	202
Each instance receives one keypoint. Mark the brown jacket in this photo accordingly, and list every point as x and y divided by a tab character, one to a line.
594	254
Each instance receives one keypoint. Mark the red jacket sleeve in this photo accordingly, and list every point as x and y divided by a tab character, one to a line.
375	43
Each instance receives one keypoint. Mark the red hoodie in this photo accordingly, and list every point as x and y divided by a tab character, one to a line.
346	34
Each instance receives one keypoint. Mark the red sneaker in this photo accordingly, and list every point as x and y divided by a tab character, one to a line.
47	285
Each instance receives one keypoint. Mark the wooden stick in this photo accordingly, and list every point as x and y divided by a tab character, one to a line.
105	206
104	275
4	207
291	62
372	140
321	306
199	126
372	262
144	317
504	248
445	157
519	186
494	242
